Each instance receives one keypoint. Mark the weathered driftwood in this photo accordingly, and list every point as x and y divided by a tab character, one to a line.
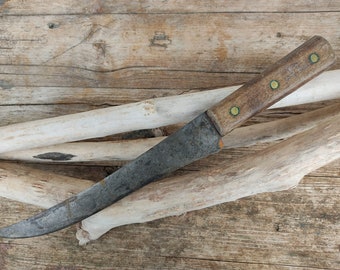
142	115
130	149
37	187
276	168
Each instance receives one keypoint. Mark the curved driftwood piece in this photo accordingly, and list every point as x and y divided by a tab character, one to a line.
128	150
276	168
143	115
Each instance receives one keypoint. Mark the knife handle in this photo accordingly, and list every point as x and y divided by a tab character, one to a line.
280	79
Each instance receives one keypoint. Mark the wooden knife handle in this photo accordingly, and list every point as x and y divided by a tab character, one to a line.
280	79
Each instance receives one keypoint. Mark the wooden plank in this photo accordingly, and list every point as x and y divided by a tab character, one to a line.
67	63
137	79
84	52
109	43
17	7
121	52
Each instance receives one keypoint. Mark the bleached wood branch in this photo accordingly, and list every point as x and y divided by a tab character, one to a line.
128	150
143	115
276	168
40	188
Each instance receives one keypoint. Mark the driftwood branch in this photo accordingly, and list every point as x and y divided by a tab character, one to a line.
276	168
143	115
128	150
40	188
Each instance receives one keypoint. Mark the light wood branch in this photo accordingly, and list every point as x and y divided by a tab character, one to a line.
143	115
36	187
127	150
276	168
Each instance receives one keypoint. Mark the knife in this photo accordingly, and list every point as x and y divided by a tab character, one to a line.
199	138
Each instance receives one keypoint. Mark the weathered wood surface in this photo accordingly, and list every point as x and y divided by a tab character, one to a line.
71	56
37	7
172	53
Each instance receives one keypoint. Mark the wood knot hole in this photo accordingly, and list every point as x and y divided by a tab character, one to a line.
52	25
160	39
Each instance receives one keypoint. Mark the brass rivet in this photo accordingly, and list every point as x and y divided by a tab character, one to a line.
234	111
314	58
274	84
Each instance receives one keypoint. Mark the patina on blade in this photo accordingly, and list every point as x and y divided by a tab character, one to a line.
194	141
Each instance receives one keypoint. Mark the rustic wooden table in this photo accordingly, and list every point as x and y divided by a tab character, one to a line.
61	57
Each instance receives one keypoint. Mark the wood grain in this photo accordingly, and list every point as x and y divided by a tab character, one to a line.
69	56
230	51
39	7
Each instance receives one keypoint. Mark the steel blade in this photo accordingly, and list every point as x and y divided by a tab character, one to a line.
196	140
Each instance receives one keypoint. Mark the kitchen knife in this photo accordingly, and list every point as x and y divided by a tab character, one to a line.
199	138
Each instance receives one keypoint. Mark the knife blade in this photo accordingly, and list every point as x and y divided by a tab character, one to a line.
199	138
